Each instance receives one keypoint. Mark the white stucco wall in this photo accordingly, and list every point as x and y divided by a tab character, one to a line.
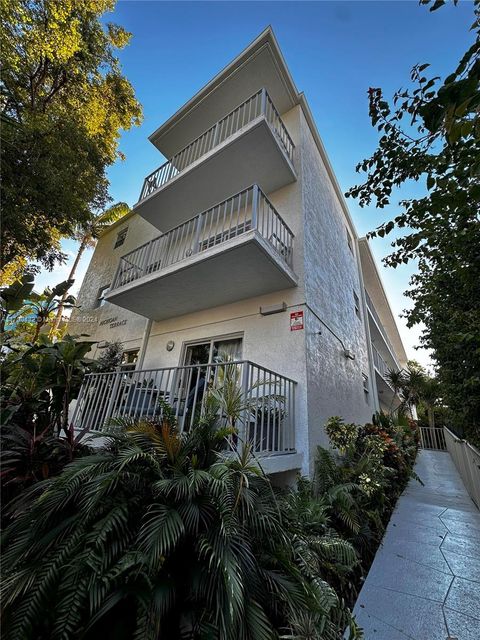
334	382
327	382
90	319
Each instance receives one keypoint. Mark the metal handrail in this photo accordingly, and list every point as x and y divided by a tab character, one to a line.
379	362
466	458
380	326
246	211
259	104
268	405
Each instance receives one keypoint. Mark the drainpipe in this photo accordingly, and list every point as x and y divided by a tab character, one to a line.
145	339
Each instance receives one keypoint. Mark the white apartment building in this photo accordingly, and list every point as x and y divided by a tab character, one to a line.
241	248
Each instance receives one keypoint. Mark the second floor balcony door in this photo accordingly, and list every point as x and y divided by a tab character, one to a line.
214	350
196	375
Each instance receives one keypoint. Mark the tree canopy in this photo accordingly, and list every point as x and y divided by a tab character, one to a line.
430	133
64	102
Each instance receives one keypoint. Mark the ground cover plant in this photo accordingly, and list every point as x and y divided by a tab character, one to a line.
157	535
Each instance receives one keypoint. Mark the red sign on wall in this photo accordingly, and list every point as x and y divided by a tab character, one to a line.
296	320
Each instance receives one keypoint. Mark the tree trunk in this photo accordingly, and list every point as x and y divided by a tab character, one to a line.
431	417
58	317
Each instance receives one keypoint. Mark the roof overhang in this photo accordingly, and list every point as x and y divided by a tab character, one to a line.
260	65
374	285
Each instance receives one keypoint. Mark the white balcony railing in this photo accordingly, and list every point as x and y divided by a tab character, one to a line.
246	211
257	105
380	326
266	400
379	363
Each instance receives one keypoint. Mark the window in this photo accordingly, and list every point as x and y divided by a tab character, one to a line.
121	235
356	304
366	388
349	240
214	350
101	295
129	359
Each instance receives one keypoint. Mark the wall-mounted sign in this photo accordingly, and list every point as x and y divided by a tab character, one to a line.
296	320
113	322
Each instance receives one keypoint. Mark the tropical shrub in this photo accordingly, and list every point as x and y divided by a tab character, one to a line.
38	383
158	535
361	481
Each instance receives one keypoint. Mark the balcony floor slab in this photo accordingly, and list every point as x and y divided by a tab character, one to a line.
240	268
253	155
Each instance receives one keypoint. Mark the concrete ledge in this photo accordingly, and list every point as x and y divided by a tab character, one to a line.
281	462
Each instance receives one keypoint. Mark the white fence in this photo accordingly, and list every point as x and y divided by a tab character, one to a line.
432	438
467	460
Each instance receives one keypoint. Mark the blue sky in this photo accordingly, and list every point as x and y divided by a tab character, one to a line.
335	52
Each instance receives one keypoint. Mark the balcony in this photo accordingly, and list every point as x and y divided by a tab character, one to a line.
238	249
388	397
249	145
380	364
267	402
378	332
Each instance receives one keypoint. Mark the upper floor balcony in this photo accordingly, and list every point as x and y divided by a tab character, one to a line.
249	145
238	249
380	338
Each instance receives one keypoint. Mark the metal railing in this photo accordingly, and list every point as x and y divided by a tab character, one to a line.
257	105
266	400
467	460
246	211
432	438
381	328
380	363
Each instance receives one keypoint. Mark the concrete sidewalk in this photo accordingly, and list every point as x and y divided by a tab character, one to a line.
424	583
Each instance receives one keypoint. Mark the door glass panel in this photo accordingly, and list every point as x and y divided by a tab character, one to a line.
227	350
197	353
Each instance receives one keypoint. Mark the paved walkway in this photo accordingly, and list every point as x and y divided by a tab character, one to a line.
424	583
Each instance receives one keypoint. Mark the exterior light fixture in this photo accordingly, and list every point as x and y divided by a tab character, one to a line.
273	308
349	354
170	345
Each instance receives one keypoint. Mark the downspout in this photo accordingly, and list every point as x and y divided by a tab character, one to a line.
144	345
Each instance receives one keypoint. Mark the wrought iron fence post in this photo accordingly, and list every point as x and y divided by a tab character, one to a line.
196	237
242	431
255	198
263	103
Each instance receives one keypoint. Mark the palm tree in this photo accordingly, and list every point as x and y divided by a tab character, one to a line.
87	235
160	536
396	379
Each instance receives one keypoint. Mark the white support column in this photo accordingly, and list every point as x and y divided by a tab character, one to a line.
143	347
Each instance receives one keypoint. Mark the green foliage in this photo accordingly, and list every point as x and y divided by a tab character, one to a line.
431	134
157	535
27	311
357	487
64	103
40	381
111	357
